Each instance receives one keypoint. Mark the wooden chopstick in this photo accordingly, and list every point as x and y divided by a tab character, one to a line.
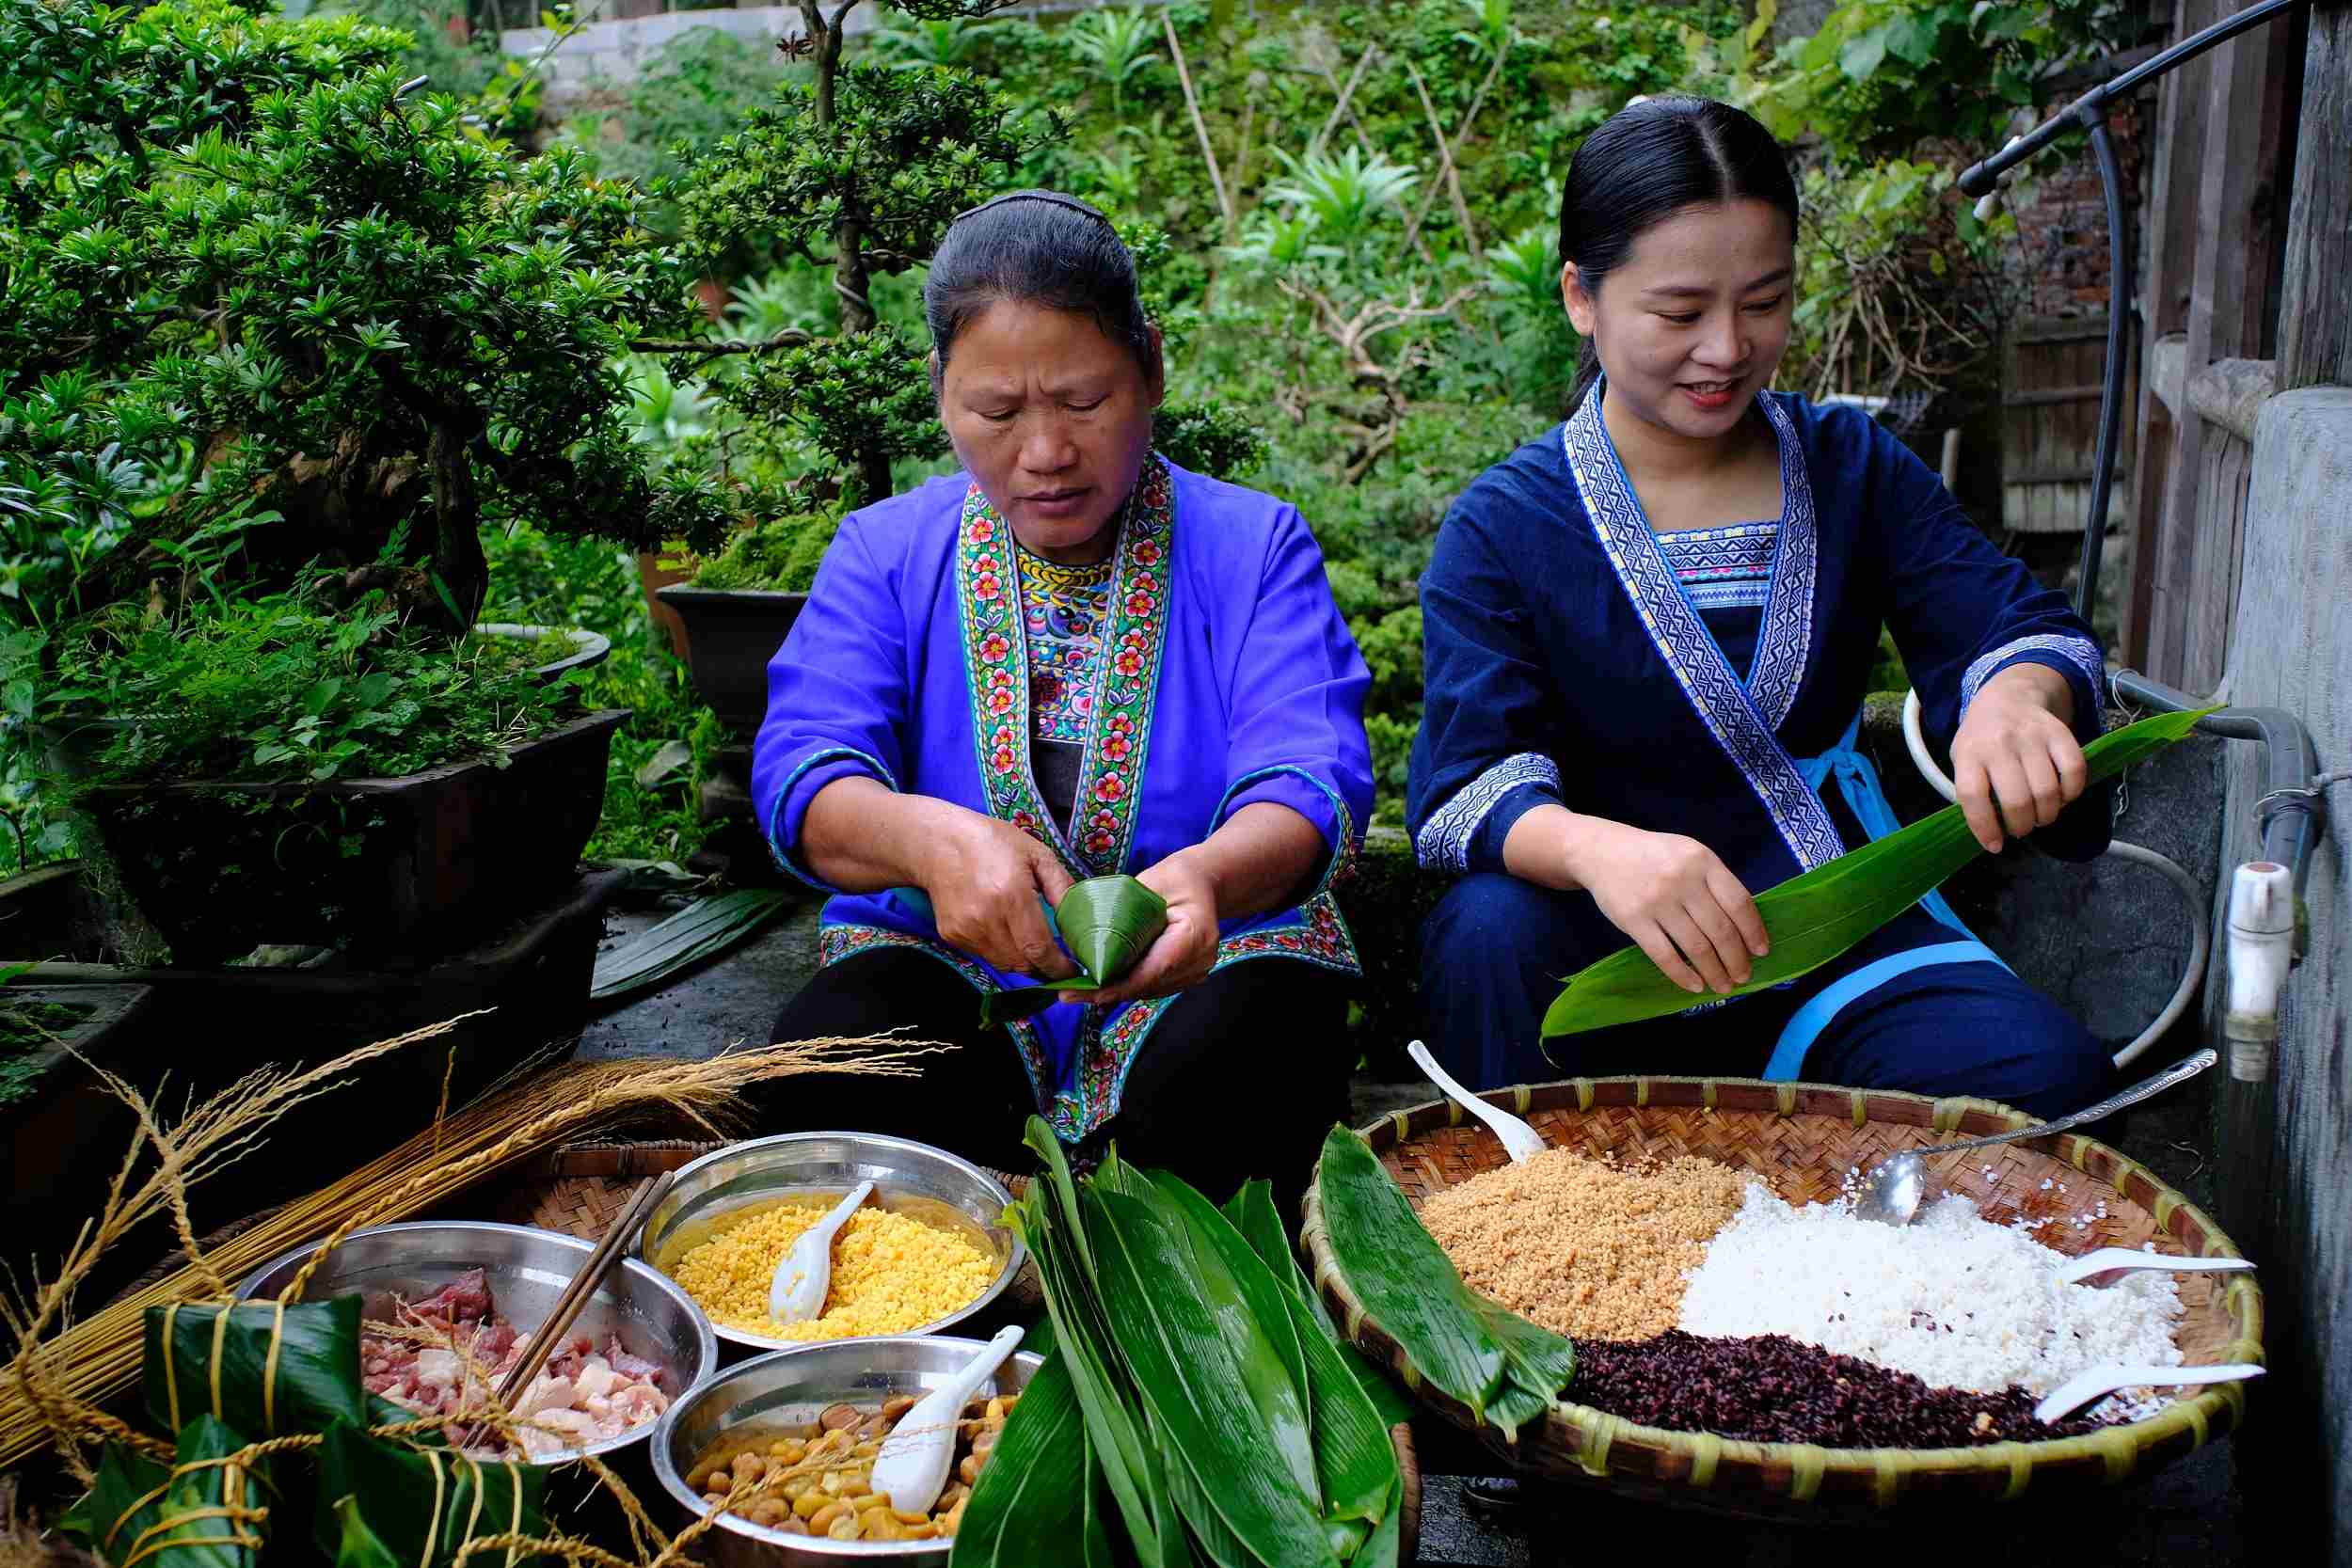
576	1293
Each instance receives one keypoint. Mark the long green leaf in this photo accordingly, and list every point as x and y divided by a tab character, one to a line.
1354	1456
1049	1222
1033	1508
703	929
1814	916
1188	1379
260	1372
1252	1210
1402	1278
167	1516
422	1501
1248	1304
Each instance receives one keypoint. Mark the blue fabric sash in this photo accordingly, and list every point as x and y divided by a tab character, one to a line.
1858	782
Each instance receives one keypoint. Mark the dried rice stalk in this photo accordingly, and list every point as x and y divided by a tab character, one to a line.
61	1370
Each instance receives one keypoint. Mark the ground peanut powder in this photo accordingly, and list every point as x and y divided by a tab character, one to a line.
1587	1247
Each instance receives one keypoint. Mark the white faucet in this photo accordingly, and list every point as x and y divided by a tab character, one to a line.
2262	951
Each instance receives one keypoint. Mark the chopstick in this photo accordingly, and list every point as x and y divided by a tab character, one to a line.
577	1292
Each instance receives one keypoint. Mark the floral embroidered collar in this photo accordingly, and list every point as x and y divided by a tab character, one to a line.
996	666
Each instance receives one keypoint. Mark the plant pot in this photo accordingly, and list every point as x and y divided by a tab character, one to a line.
424	863
568	648
656	576
107	1010
206	1027
731	634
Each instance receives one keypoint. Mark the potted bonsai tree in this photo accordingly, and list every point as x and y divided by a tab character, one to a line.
283	333
859	169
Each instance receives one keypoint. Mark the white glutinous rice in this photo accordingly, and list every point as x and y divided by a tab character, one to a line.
1952	1298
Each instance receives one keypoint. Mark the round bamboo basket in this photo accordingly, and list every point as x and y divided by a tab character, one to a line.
1802	1139
582	1188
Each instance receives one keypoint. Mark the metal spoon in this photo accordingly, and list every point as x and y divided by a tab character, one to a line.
912	1468
1891	1193
1520	1141
2112	1263
805	1273
2099	1382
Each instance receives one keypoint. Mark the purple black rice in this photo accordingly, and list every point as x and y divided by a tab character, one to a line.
1772	1390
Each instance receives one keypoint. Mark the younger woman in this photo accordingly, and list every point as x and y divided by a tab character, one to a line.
1647	635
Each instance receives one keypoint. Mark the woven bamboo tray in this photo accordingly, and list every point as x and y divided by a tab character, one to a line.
1801	1140
582	1188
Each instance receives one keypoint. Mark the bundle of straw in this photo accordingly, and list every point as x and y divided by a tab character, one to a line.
61	1370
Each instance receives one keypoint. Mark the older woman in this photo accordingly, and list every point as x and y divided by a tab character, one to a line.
1070	660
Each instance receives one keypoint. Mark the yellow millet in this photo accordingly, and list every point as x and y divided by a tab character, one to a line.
890	1274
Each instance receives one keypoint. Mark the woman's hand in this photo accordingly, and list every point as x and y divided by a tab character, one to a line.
2015	762
984	878
1673	897
1187	951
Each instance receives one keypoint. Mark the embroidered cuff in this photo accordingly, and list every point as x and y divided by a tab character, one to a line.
1486	844
2076	657
819	770
1311	799
1445	839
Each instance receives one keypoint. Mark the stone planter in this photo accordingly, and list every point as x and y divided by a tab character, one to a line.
377	867
731	634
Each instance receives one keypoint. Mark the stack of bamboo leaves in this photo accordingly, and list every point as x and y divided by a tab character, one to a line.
1196	1408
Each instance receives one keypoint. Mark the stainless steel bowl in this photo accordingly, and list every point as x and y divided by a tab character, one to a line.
789	1388
527	1269
917	1179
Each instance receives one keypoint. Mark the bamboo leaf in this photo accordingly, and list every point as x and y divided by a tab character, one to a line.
1133	1473
1248	1304
422	1501
362	1547
1403	1278
263	1371
1108	923
1820	913
1251	1208
1033	1506
703	929
196	1513
1187	1379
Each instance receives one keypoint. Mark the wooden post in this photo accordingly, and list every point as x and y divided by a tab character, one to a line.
2170	232
2316	296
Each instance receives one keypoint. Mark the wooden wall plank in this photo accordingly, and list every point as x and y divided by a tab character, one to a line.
2316	304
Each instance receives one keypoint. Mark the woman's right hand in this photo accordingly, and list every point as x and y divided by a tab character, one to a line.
1673	897
984	878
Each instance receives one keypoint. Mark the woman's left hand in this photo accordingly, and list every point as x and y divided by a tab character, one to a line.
1186	952
2015	762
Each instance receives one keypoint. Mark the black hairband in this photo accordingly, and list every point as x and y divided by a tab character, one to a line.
1055	197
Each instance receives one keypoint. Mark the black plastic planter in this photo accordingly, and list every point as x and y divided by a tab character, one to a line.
731	634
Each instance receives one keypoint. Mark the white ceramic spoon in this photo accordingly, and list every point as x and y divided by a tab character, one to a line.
2099	1382
798	1291
912	1468
2112	1263
1520	1141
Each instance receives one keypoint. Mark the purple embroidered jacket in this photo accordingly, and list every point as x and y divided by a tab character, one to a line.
1228	678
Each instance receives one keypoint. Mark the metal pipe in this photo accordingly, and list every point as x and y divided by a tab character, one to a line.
2290	810
2086	111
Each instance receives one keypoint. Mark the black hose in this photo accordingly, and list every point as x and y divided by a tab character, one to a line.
2085	112
2111	388
2290	809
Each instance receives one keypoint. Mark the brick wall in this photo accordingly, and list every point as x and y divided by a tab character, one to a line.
2059	260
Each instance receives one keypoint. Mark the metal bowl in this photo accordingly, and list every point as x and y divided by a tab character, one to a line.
916	1180
789	1388
527	1269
